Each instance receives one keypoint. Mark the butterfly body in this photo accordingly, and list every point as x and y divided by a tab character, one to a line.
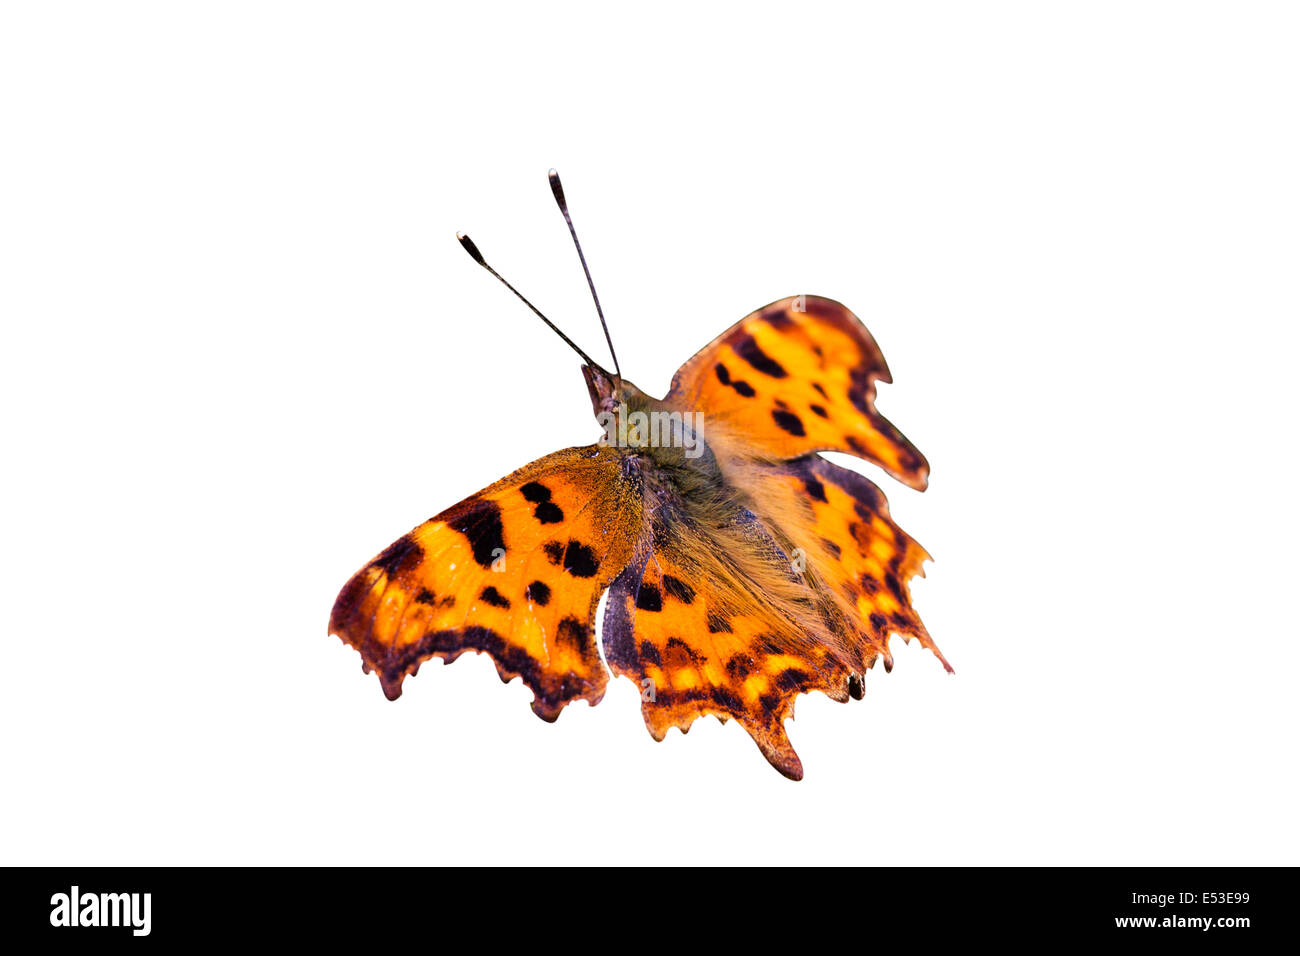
743	568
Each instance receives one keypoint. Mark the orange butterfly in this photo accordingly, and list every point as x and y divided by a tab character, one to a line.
743	568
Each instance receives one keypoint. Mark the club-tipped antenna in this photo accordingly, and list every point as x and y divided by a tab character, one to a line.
558	191
477	256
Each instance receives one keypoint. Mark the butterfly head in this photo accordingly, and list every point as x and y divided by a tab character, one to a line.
645	426
604	388
609	392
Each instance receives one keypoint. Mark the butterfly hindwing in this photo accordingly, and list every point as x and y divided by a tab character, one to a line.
710	617
514	571
851	550
797	376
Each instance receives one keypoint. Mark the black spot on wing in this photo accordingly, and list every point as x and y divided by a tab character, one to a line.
648	597
855	531
535	491
400	556
718	624
425	596
792	679
650	653
579	560
816	490
740	387
819	411
679	589
820	391
494	597
572	633
538	593
548	512
788	421
861	388
749	350
480	523
554	551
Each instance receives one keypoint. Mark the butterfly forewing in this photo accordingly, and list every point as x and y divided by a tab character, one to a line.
797	376
514	571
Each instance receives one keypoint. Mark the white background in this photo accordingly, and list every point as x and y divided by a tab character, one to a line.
243	351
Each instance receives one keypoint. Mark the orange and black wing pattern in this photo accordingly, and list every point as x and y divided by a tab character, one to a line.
711	617
737	611
514	571
852	554
795	377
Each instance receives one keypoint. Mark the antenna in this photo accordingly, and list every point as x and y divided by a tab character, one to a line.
558	190
477	256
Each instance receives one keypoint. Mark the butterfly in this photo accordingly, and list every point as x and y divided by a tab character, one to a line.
742	568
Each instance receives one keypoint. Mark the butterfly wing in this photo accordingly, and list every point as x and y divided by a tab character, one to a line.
710	617
797	376
514	571
852	553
